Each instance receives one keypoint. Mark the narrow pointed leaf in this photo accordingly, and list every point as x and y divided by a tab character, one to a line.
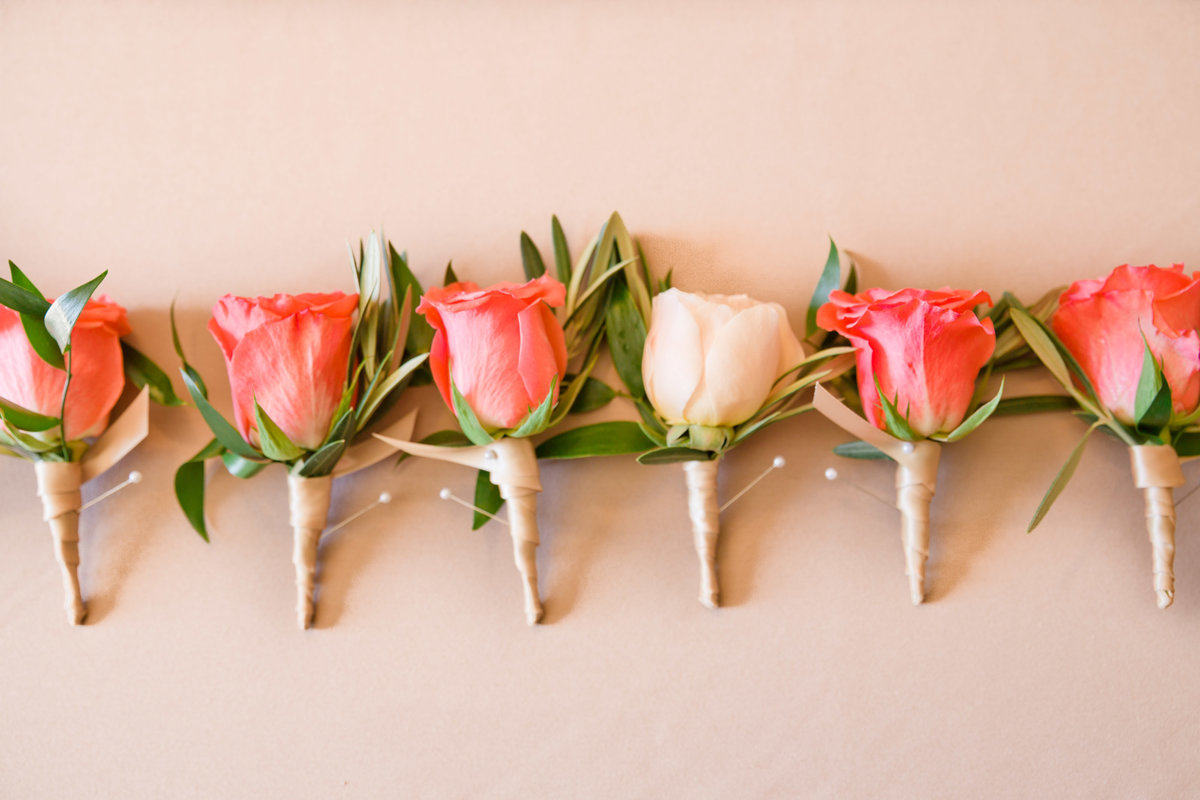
531	258
275	443
1149	382
226	434
1031	404
21	299
240	467
831	276
861	450
1061	480
593	394
189	486
562	255
64	312
24	419
673	455
975	420
625	331
142	372
448	277
323	461
897	425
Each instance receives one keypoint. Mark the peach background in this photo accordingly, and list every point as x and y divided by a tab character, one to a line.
198	148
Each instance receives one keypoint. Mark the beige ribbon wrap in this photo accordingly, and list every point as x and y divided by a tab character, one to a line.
705	515
512	465
58	485
1156	472
308	511
916	482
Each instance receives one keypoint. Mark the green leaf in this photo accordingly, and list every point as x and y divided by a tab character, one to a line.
851	284
448	277
467	420
831	275
536	420
240	467
226	434
447	438
1061	479
1042	346
187	368
754	425
1031	404
673	455
389	384
625	330
1158	415
22	300
189	486
35	326
275	443
594	394
531	259
487	497
896	423
323	461
24	419
975	420
35	444
64	312
142	372
562	256
420	332
861	450
600	439
1187	445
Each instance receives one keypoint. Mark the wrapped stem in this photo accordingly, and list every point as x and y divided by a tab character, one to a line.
522	522
706	527
308	510
916	482
58	486
1156	472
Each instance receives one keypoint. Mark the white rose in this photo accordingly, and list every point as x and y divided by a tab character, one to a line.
712	359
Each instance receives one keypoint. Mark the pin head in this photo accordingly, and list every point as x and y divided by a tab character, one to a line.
779	462
445	493
907	447
385	497
831	474
135	477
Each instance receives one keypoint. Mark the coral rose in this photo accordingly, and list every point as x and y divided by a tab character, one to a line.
97	368
711	359
290	353
502	346
1102	323
924	347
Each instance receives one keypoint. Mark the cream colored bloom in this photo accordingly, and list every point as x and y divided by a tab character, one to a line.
712	359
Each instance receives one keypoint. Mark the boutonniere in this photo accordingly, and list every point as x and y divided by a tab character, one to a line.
1127	350
705	372
511	361
919	382
63	367
309	373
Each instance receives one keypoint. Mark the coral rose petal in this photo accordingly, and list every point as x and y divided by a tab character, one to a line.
543	356
484	343
295	368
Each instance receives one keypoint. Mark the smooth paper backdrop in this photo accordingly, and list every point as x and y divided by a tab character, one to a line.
208	147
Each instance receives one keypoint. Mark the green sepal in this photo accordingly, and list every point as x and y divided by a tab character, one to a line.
831	275
142	372
594	394
64	312
975	420
531	258
675	434
673	455
707	437
240	467
600	439
487	497
321	462
896	423
1152	404
537	419
189	486
467	420
274	442
1061	479
226	434
861	450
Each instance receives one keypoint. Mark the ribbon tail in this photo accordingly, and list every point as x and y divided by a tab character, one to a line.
706	526
522	522
1160	525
